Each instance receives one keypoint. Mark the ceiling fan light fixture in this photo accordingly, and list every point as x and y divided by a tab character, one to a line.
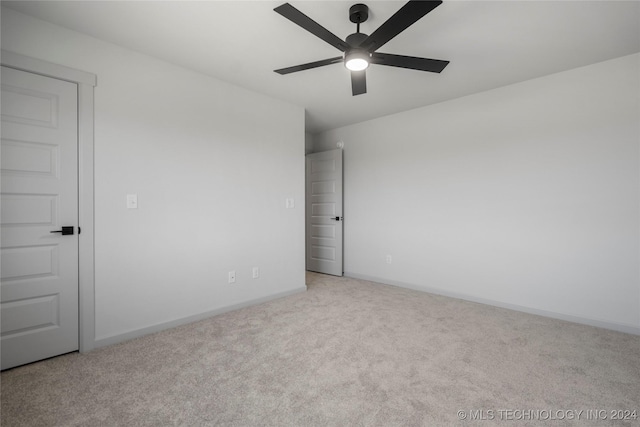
359	49
357	60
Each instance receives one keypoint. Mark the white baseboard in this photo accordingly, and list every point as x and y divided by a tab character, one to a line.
629	329
114	339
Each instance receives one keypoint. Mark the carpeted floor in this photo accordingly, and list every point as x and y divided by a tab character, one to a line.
346	353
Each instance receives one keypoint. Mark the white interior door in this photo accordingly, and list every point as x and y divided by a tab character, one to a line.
324	212
39	275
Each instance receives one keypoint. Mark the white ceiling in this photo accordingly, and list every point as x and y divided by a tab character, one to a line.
489	43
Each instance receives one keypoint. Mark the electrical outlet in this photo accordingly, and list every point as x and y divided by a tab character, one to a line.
388	259
232	276
256	272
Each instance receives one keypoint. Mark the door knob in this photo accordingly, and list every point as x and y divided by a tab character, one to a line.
65	231
338	218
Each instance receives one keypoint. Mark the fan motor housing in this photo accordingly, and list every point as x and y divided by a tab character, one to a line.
358	13
355	39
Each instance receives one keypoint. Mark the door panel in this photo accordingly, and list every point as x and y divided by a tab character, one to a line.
39	285
29	262
28	158
324	205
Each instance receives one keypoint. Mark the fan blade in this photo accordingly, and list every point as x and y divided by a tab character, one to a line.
411	62
299	18
358	82
309	65
400	21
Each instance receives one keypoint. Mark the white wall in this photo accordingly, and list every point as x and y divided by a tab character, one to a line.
526	196
212	165
308	143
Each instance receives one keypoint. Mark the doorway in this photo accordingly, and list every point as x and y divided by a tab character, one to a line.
38	99
324	212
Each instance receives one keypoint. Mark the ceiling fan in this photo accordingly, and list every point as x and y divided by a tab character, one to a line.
359	48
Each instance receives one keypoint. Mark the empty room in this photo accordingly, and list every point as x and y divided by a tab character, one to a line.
322	213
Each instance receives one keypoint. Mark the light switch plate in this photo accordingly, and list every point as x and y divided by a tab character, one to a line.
132	201
290	203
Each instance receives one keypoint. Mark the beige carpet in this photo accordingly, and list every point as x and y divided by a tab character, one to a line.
346	353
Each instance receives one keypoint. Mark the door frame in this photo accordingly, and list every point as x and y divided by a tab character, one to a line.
86	83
